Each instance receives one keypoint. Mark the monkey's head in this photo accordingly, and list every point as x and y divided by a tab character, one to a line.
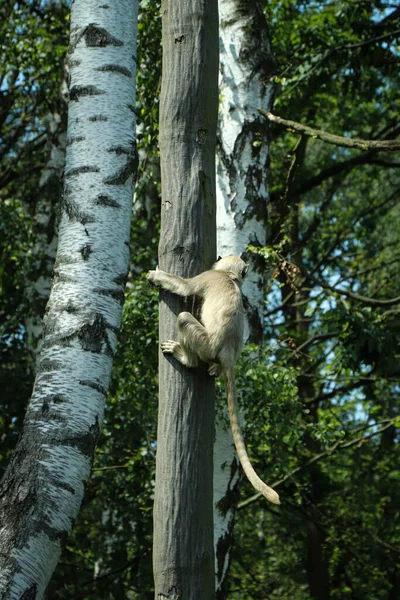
232	264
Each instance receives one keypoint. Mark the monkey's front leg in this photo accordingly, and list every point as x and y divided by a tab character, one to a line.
172	283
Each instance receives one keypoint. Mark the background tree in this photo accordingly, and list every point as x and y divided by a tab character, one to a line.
42	488
246	84
328	312
32	115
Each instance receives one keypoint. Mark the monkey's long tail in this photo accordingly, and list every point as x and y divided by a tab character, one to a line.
252	476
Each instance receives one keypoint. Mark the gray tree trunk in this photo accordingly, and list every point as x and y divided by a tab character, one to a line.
42	489
183	556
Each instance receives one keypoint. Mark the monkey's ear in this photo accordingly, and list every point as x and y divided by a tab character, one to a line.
219	258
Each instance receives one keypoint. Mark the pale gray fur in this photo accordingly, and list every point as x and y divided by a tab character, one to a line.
217	339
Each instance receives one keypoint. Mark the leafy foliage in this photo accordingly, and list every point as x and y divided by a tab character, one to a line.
333	253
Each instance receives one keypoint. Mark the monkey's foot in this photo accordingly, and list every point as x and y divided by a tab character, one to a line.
214	369
170	347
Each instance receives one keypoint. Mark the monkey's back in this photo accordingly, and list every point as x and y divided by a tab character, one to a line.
222	315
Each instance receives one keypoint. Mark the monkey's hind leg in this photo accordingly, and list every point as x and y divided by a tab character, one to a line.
194	337
181	350
193	342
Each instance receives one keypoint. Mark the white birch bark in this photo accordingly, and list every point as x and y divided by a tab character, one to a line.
42	489
46	236
246	66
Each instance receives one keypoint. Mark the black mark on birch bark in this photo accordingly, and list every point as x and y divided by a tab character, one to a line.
80	91
117	295
99	37
121	279
74	140
95	386
130	168
120	150
105	200
74	213
86	251
79	170
115	69
95	118
93	337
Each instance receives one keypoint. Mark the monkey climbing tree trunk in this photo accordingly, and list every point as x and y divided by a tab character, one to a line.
42	489
183	555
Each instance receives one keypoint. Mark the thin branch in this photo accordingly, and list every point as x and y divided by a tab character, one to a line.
110	468
297	158
330	138
330	51
360	298
335	392
380	38
335	169
315	338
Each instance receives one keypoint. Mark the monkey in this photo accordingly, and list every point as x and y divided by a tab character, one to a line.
216	339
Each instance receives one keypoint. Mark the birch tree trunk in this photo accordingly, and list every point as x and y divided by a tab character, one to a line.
183	556
246	67
38	283
42	489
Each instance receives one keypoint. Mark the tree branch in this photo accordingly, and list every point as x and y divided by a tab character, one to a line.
315	338
330	138
331	171
360	298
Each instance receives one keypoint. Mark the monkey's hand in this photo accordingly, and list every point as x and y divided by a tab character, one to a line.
155	277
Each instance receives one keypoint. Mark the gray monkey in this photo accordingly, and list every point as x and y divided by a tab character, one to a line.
216	339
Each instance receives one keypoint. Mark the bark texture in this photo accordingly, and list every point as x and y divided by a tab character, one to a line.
42	489
38	281
246	67
183	555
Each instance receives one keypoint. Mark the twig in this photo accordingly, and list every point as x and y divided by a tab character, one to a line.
364	299
315	338
330	138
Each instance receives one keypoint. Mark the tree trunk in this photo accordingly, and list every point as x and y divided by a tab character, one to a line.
38	282
42	489
183	555
246	67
